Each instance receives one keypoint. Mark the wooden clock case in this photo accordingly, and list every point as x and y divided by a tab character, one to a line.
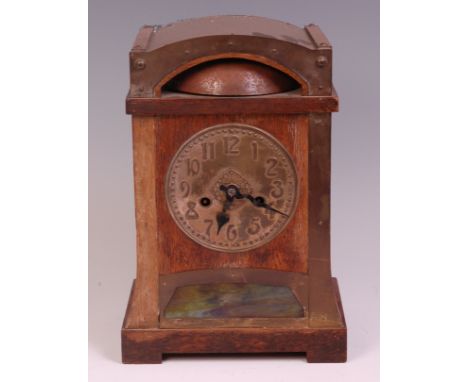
299	257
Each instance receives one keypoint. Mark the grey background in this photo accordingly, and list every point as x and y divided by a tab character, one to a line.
353	28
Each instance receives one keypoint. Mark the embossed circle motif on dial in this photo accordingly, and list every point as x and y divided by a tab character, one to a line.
242	158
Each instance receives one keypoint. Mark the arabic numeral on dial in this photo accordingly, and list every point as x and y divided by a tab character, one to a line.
184	188
278	190
231	145
254	146
193	167
231	232
208	150
209	223
254	227
271	170
191	213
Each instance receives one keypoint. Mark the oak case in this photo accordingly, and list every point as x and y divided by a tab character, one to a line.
298	257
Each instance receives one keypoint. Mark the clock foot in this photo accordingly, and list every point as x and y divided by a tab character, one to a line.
140	356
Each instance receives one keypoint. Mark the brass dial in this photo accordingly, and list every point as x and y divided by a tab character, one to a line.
232	187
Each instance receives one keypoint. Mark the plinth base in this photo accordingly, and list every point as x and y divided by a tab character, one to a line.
319	344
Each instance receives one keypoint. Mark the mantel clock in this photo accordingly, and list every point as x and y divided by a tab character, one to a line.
231	120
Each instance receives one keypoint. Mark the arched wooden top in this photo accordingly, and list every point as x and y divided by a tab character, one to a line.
303	54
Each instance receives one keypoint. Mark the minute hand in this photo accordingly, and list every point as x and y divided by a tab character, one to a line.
260	202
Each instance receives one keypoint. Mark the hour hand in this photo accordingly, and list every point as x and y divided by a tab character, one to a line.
222	218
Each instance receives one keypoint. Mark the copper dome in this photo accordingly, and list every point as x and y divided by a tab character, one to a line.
232	77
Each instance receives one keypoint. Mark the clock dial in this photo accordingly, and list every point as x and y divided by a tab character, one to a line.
232	187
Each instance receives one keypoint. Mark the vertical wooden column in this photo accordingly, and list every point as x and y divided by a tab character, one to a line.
143	311
323	308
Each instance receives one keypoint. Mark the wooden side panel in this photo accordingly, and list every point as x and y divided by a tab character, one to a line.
143	311
323	308
178	253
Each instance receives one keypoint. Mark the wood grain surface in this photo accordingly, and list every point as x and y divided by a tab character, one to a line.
178	253
143	311
283	104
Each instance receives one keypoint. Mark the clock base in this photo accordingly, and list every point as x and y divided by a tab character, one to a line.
321	345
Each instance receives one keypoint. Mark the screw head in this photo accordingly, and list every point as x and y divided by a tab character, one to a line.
321	61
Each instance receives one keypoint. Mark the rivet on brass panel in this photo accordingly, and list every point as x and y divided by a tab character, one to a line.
321	61
139	64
